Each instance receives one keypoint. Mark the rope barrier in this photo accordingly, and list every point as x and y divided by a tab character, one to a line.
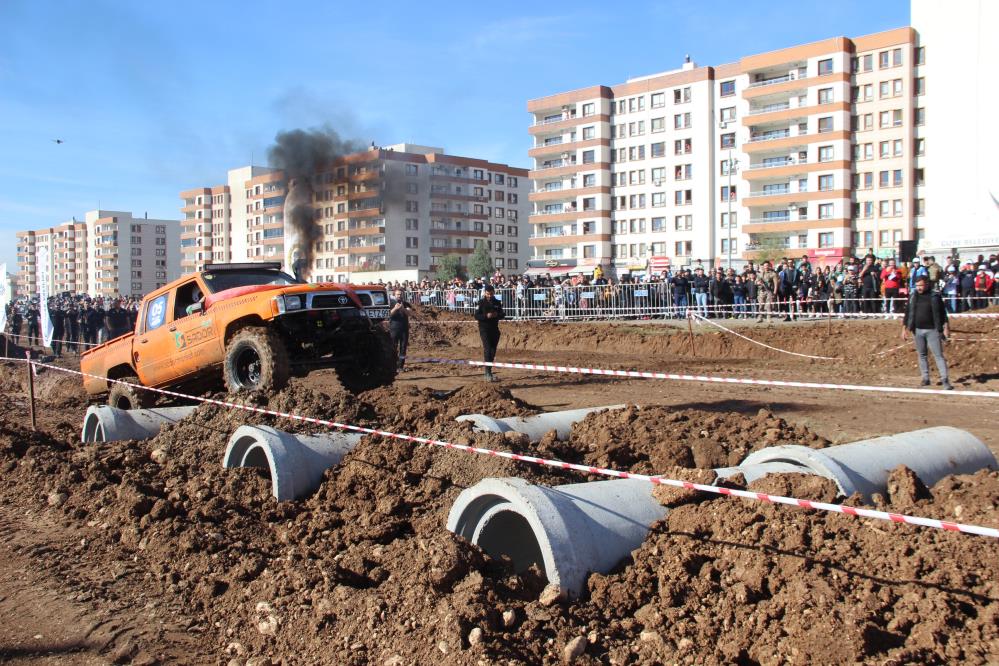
588	469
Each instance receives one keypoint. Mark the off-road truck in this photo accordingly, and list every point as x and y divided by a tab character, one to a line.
248	327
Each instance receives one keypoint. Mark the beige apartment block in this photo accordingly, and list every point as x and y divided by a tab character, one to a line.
388	213
107	254
822	140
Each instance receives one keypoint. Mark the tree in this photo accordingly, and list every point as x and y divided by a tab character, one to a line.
449	267
480	263
769	247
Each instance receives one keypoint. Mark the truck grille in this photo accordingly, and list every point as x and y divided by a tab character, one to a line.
331	301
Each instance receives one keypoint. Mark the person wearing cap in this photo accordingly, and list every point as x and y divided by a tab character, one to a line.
488	313
983	286
951	289
926	319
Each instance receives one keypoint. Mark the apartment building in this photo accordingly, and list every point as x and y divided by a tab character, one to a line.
810	150
106	254
388	213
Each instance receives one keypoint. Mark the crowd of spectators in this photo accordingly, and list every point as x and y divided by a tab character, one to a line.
788	288
78	320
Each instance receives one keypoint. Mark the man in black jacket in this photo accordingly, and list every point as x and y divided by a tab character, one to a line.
488	314
926	318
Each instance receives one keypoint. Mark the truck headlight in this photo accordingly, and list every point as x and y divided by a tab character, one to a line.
292	303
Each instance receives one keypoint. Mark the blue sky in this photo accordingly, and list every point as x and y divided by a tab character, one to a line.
152	98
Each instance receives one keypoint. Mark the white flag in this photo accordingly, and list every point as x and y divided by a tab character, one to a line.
43	294
4	297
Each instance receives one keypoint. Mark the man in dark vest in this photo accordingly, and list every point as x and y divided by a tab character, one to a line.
926	319
488	314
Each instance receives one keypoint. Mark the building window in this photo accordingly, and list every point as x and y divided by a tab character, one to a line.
658	149
724	220
825	239
683	248
412	242
896	57
658	125
682	95
920	56
589	109
825	153
728	114
919	86
657	100
884	59
919	115
920	206
825	211
825	182
683	197
412	206
825	95
825	124
727	88
589	156
728	140
683	222
825	66
728	194
411	169
896	178
883	179
918	176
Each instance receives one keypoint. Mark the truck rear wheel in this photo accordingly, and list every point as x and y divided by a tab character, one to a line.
122	396
375	363
255	360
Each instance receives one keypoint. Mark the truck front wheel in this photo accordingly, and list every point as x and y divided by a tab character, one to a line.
374	365
255	360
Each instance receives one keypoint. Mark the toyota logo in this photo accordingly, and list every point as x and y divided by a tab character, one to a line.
342	300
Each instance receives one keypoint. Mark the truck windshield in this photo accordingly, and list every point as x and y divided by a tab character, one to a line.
222	280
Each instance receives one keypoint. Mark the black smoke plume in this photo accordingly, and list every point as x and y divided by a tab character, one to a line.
301	154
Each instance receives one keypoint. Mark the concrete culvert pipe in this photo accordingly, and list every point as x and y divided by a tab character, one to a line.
567	531
296	463
109	424
932	453
535	427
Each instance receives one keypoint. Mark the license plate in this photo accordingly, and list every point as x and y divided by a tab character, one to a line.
377	313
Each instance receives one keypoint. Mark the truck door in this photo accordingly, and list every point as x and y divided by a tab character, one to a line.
152	339
196	340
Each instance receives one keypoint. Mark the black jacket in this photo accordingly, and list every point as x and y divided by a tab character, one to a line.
487	305
937	306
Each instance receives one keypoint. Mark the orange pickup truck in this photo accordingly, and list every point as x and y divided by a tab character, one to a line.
247	327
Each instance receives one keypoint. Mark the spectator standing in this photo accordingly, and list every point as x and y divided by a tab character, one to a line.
489	313
952	289
926	319
752	293
399	327
700	285
58	320
767	289
739	297
95	323
891	279
870	285
117	319
681	286
34	324
983	286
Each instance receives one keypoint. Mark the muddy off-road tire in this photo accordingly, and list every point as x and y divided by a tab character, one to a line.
255	360
376	363
121	396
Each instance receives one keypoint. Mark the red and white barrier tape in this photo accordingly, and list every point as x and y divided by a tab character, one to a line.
588	469
706	378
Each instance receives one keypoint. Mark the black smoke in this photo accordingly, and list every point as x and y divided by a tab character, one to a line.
301	154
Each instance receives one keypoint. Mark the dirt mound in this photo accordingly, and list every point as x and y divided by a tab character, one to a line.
649	439
730	581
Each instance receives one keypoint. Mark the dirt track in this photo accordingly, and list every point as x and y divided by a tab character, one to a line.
107	555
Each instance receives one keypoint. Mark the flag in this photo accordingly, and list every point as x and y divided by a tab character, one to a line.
43	294
4	297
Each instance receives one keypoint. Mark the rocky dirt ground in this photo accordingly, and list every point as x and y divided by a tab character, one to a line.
112	555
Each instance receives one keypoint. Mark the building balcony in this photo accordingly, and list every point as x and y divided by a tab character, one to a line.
781	142
789	168
565	168
464	180
367	194
544	126
452	196
770	225
366	249
567	215
789	84
363	268
567	193
784	112
566	240
568	147
462	233
787	198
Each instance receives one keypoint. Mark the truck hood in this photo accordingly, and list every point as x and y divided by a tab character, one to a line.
281	289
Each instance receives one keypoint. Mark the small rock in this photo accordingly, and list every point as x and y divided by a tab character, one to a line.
517	438
394	660
235	662
57	499
475	636
442	646
509	618
268	626
958	510
160	456
550	595
259	661
264	607
684	644
573	649
236	649
649	636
